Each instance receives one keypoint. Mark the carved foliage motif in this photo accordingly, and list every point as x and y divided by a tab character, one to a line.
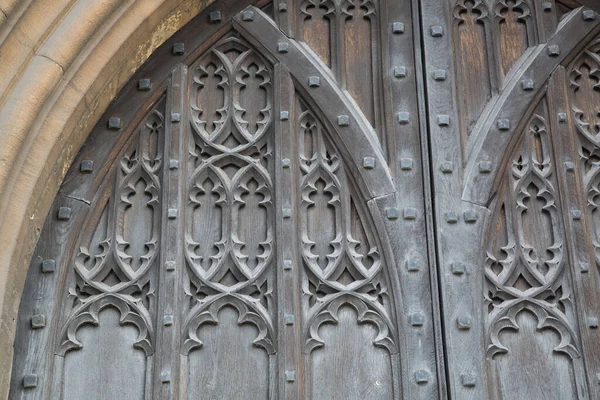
526	266
342	261
114	266
584	79
229	234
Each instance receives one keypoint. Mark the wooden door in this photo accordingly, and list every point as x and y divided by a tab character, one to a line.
327	199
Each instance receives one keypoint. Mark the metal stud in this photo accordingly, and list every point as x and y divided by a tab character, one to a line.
368	163
38	321
437	31
592	322
165	377
443	120
170	265
413	265
144	84
114	123
392	213
314	81
464	322
468	379
283	47
417	319
470	216
458	268
287	265
447	167
399	72
48	266
562	117
576	214
30	381
410	213
398	27
421	376
284	115
289	319
285	163
172	213
343	120
283	7
286	212
168	320
404	117
589	15
248	15
485	167
569	165
547	6
178	49
86	166
451	217
585	267
173	164
290	376
439	75
175	117
406	164
503	124
214	16
553	50
527	84
64	214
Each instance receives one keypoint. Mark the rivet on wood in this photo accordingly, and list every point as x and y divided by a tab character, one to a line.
48	266
165	377
417	319
284	115
569	166
443	120
175	117
437	31
173	164
592	322
38	321
248	15
413	265
290	376
421	376
410	213
406	164
547	6
343	120
283	47
172	213
589	15
399	72
562	117
404	117
283	7
451	217
527	84
285	163
114	123
553	50
439	75
144	84
286	212
168	320
287	265
398	27
170	265
458	268
470	216
464	322
576	214
314	81
368	163
30	381
392	213
214	16
178	49
289	319
447	167
64	214
485	167
468	379
86	166
585	267
503	124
